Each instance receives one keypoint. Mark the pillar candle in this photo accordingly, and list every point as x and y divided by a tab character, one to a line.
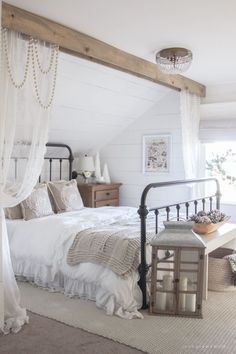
191	302
168	285
183	285
161	301
167	282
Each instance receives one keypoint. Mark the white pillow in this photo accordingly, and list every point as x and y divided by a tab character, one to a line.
37	204
65	195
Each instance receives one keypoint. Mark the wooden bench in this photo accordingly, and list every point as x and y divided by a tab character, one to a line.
224	236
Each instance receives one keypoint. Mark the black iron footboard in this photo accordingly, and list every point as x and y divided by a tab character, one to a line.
143	211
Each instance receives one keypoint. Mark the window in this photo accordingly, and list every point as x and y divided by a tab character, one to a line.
221	163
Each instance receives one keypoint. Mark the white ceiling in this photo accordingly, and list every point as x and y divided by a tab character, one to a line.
141	27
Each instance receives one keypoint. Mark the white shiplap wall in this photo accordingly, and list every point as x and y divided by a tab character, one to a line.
124	154
94	103
101	109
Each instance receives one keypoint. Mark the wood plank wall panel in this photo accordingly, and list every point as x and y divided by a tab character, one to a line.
94	103
124	155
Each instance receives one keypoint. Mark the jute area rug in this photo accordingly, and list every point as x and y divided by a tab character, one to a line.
215	333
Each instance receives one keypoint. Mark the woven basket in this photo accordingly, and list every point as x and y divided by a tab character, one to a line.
219	271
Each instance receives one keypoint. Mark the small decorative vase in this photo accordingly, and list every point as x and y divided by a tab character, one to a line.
106	175
98	174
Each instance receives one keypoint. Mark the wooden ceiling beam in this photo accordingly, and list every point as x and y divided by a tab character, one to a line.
82	45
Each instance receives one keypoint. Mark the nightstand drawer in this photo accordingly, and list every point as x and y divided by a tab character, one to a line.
106	194
110	202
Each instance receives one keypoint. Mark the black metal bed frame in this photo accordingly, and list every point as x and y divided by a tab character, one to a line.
70	159
143	211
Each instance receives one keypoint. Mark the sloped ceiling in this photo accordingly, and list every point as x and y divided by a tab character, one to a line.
93	103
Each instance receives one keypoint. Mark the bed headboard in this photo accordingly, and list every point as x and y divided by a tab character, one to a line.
58	152
58	162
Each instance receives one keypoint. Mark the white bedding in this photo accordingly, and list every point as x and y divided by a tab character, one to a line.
39	249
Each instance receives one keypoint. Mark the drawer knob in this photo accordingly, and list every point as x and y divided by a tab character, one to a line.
108	193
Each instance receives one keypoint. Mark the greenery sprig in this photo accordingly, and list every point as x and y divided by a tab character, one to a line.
217	168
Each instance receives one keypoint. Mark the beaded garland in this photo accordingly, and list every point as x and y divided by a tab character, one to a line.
32	56
46	71
55	49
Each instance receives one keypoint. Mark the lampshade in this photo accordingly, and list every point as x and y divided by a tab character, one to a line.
86	163
174	60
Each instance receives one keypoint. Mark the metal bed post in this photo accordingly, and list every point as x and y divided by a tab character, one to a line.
218	194
143	267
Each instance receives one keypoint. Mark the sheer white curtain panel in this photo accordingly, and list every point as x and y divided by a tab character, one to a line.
190	118
28	80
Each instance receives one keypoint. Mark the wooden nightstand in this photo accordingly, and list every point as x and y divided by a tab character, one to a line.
98	195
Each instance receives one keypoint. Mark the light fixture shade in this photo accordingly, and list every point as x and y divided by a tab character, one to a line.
86	163
174	60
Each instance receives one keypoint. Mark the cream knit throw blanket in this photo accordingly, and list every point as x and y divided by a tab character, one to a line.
116	249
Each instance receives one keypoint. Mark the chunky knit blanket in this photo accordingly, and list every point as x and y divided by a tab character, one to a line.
116	249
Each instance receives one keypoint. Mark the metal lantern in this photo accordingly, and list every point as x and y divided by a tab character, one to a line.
177	271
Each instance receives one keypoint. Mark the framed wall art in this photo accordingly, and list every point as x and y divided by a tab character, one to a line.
156	153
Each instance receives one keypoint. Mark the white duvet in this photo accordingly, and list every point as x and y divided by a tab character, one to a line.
39	250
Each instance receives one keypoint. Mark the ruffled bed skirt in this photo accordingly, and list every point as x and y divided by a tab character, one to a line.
42	276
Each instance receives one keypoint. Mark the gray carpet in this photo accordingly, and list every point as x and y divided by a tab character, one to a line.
46	336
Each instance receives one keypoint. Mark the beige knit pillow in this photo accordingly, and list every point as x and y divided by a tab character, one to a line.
66	195
13	212
37	204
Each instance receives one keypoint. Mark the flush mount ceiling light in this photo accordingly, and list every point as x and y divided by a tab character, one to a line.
174	60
